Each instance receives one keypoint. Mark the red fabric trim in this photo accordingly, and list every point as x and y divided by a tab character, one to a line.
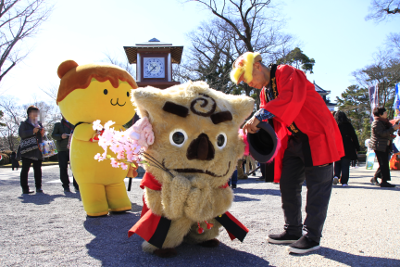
224	186
150	182
236	221
146	226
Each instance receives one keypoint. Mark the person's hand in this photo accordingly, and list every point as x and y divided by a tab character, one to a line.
35	130
251	126
396	126
64	135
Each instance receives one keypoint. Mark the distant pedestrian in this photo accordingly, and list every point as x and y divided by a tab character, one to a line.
31	132
61	133
351	147
14	161
233	179
381	142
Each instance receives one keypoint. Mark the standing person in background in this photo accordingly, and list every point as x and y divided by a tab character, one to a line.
14	161
28	128
62	131
351	146
381	142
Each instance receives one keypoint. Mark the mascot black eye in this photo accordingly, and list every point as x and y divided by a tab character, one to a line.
221	140
127	94
105	91
178	137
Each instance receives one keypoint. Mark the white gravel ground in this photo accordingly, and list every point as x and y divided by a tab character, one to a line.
51	229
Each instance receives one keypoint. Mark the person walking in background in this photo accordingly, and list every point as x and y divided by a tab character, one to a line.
61	132
351	146
381	142
33	130
14	161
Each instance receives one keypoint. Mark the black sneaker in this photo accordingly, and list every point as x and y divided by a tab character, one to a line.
39	190
233	186
27	192
303	245
283	238
386	184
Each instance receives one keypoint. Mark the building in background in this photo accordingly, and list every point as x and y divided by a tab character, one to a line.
324	93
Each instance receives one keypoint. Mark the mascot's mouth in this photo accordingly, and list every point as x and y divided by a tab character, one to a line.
117	103
190	170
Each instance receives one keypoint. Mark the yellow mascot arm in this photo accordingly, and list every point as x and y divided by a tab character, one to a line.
84	132
153	201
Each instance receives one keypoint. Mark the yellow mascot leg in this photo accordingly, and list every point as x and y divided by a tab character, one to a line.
94	199
117	197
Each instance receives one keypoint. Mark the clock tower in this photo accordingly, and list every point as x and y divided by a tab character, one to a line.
154	61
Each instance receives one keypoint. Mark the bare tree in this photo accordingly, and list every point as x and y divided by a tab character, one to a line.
385	72
13	115
19	19
238	26
393	43
112	59
382	9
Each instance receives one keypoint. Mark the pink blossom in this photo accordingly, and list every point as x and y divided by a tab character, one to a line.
121	155
124	166
114	163
97	126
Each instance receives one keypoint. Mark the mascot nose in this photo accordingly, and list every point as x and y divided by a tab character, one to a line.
201	148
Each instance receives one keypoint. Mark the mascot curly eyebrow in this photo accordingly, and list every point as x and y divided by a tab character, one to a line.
197	145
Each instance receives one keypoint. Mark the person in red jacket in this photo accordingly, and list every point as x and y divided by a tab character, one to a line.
310	142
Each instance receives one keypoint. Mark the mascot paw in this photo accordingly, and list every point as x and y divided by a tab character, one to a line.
165	252
212	243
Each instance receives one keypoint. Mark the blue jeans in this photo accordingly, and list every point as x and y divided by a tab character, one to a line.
233	178
343	167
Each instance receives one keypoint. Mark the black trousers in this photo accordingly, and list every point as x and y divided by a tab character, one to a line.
383	171
319	185
63	158
37	172
342	167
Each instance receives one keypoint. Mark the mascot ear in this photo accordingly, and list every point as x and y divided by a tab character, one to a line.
149	101
242	107
65	67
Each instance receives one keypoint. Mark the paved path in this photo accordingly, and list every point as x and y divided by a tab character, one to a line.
51	229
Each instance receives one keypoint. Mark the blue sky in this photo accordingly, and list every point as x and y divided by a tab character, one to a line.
334	33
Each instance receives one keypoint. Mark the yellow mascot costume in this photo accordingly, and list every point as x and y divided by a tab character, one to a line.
88	93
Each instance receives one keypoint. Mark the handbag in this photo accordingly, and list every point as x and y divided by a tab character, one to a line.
28	144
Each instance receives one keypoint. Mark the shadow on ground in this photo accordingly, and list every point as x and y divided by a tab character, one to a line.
353	260
112	247
44	199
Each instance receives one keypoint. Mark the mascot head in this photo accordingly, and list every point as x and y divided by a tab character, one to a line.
195	128
95	92
242	68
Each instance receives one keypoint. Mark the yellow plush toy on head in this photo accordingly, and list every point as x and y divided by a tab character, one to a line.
88	93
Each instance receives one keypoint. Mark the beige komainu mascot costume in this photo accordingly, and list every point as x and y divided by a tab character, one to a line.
197	145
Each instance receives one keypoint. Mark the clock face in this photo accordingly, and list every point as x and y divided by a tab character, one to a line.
154	67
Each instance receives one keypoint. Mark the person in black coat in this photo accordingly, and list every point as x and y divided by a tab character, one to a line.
28	128
14	161
351	146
